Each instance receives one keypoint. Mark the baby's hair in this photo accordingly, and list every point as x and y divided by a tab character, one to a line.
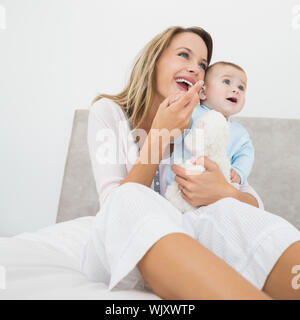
224	63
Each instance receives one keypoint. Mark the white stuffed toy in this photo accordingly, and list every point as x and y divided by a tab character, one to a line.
209	137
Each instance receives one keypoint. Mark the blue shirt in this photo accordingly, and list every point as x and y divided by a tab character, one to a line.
240	150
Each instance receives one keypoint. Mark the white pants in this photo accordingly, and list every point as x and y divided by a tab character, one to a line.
134	217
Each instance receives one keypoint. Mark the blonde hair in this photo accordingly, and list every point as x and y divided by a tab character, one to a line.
136	99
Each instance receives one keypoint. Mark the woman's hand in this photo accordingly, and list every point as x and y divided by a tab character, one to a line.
174	113
201	189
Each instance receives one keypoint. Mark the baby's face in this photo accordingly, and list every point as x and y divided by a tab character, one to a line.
225	89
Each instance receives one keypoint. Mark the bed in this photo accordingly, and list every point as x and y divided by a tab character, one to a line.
45	264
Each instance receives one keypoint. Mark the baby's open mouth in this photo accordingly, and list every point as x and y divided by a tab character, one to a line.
232	99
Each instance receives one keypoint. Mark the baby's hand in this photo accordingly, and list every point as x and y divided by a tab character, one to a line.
234	177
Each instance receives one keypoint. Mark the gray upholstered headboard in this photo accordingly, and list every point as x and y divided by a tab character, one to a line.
275	175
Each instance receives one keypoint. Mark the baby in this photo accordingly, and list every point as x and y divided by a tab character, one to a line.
224	91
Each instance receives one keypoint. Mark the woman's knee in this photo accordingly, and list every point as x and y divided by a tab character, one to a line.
129	188
126	193
225	206
229	205
228	201
132	190
243	216
132	202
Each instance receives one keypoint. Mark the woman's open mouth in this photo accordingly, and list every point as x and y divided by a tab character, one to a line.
183	84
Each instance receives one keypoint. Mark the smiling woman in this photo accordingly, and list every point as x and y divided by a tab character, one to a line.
224	250
184	61
137	98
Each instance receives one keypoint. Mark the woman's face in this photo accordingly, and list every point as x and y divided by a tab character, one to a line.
185	58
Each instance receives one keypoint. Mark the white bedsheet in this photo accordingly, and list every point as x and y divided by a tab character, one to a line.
45	265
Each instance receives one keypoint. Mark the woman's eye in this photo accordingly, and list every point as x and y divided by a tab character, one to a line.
184	53
226	81
202	65
241	88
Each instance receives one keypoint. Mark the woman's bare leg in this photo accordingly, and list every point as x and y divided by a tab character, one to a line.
279	283
179	267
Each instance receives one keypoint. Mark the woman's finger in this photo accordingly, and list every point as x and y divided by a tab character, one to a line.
176	97
191	106
184	173
186	197
182	183
179	171
187	97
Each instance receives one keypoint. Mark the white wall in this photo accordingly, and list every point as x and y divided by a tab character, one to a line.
56	55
